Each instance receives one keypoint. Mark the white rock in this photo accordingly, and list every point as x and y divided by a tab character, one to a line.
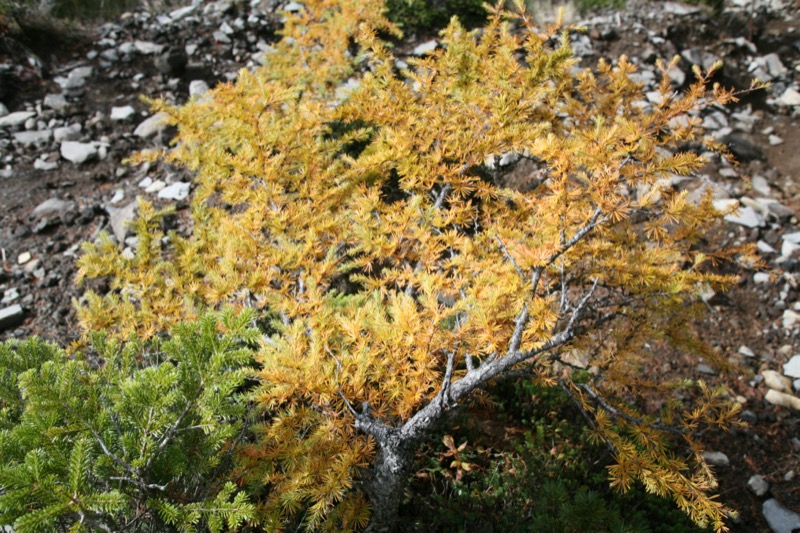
792	367
772	62
775	381
177	191
148	48
765	248
122	113
67	133
198	88
774	140
788	248
43	164
16	119
293	7
155	186
746	216
51	206
758	485
779	518
57	102
792	237
33	138
759	277
790	318
183	12
790	97
782	399
716	459
746	351
120	219
152	126
78	152
23	258
146	182
119	195
426	48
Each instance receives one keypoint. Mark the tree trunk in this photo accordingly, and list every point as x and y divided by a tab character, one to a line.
387	480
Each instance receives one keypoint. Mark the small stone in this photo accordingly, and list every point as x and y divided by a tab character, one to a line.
152	126
774	380
741	145
293	7
758	485
120	219
16	119
51	206
705	369
788	248
23	258
119	195
67	133
774	140
765	248
33	138
779	518
155	186
221	37
146	182
782	399
122	113
792	367
11	316
426	48
790	318
147	48
759	277
58	102
717	459
77	152
789	98
44	164
198	88
177	191
745	351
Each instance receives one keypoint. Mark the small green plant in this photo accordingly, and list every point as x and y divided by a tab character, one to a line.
425	15
144	442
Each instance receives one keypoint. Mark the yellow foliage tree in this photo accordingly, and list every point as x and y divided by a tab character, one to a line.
407	268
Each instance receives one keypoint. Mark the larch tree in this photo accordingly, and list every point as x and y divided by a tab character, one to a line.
404	268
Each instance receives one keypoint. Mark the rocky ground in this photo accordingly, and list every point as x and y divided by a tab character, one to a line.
70	114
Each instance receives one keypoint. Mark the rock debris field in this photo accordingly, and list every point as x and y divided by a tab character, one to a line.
70	115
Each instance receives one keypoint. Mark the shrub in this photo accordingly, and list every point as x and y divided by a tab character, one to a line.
408	269
142	443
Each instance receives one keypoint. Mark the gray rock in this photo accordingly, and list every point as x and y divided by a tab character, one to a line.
44	164
198	88
779	518
52	206
148	48
742	146
792	367
183	12
152	126
293	7
3	110
177	191
11	316
221	37
33	138
16	119
67	133
122	113
120	219
172	62
758	485
705	369
76	78
77	152
745	350
789	98
58	102
426	48
717	459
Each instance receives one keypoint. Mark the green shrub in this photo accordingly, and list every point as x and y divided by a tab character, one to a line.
428	15
142	442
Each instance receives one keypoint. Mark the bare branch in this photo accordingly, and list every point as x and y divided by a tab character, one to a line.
444	393
616	413
509	257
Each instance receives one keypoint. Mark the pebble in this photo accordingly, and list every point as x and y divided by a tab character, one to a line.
67	133
744	350
51	206
779	518
177	191
154	186
758	485
774	380
23	258
58	102
16	119
11	317
718	459
120	219
774	140
425	48
782	399
78	152
122	113
790	97
152	126
33	138
792	367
